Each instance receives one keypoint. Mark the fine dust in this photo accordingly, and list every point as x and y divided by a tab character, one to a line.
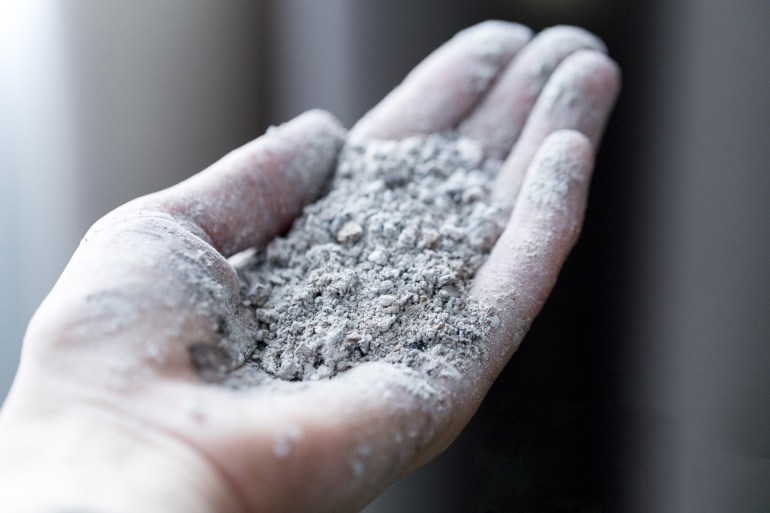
379	268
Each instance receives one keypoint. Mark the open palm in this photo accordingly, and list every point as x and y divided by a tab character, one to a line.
110	355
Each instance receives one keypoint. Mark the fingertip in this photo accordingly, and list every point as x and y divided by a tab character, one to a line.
316	122
323	119
506	32
598	70
565	156
571	143
571	36
593	59
612	73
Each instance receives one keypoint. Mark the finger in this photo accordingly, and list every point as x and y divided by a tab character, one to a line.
525	262
440	92
578	96
498	120
255	192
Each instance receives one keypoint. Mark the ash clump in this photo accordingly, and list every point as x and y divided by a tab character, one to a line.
380	268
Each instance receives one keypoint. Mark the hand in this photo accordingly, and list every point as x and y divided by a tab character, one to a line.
107	409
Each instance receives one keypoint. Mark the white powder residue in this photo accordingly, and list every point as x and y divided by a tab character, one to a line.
285	441
555	175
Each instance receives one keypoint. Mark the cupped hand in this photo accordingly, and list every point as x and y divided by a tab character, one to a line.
108	407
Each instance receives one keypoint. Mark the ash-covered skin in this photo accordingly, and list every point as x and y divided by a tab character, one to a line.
380	268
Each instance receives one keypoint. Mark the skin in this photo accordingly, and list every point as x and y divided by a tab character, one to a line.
107	412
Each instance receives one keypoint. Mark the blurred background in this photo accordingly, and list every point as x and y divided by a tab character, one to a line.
644	386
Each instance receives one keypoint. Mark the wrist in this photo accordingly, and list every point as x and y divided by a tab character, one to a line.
91	461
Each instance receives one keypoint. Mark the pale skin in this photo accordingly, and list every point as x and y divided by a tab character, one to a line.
108	414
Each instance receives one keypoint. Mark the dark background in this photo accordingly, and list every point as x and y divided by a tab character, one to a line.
644	385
